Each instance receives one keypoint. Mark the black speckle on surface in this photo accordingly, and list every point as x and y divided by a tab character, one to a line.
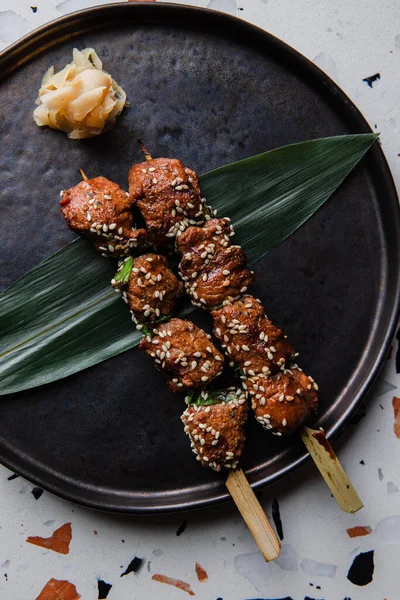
380	474
123	541
347	598
133	566
308	598
361	571
285	598
181	527
148	566
240	8
398	349
37	492
318	587
34	8
14	476
371	79
103	588
362	462
356	418
276	515
223	539
381	406
6	576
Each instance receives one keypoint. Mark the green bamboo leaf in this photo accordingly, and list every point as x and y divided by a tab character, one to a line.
63	316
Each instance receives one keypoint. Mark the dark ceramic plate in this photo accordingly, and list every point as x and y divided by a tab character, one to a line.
211	90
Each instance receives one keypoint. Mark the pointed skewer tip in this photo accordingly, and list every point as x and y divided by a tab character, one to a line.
84	176
146	153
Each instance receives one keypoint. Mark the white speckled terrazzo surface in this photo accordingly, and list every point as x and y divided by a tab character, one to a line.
350	40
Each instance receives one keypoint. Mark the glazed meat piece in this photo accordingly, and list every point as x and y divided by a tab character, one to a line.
213	270
250	338
284	401
168	197
215	425
149	287
185	352
100	210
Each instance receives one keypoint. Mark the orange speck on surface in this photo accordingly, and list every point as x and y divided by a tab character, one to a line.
358	531
58	590
178	583
396	410
201	573
59	541
95	532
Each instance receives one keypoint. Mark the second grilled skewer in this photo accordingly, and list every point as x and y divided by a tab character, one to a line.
215	272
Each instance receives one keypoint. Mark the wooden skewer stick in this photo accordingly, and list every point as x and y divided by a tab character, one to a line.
253	514
331	470
84	176
147	155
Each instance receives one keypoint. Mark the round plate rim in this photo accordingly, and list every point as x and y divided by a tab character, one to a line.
26	47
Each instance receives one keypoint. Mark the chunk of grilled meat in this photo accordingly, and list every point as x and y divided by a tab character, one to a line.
215	425
100	210
213	270
250	338
283	402
168	196
150	289
185	352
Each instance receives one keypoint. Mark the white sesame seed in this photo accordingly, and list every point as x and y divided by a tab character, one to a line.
245	348
112	226
204	378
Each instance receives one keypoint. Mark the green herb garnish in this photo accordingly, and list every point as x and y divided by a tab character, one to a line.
212	397
124	273
147	328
